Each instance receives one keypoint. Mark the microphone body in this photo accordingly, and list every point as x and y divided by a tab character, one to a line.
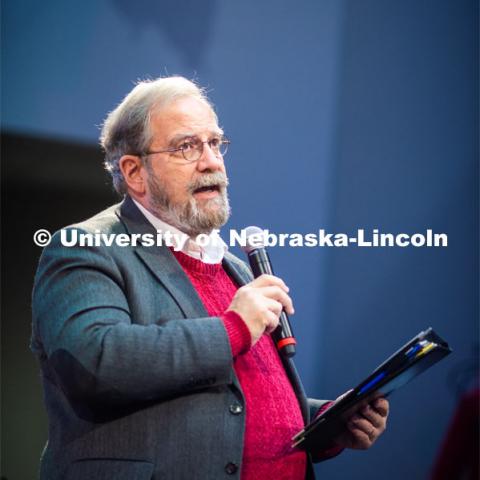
282	335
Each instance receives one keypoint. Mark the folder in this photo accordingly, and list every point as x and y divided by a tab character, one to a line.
416	356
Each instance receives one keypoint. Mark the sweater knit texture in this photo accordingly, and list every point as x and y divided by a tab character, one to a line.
272	411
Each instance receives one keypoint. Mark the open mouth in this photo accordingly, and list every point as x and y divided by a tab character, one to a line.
207	189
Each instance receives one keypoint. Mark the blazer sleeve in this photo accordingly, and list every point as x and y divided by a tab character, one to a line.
319	455
82	331
315	405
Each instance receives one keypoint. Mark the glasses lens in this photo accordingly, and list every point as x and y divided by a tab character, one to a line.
193	152
223	147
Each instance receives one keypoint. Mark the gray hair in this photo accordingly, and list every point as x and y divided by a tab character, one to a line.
126	130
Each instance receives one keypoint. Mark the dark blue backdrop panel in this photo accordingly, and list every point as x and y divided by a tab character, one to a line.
406	160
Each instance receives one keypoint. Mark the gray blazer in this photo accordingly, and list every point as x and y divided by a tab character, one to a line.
138	379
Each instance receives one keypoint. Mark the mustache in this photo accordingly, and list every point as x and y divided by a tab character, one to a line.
217	179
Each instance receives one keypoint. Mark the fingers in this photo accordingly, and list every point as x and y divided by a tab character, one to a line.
363	432
372	415
280	296
382	406
269	280
357	422
260	304
365	427
360	440
273	306
272	321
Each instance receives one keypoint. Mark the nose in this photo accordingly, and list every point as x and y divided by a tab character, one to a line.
208	160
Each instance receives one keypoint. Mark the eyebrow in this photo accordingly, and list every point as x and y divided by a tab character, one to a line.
182	136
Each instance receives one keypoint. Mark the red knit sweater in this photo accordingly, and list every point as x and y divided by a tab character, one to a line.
273	414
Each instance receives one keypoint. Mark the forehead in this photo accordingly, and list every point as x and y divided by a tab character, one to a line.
185	115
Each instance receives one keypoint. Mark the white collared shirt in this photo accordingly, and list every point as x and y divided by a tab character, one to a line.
212	253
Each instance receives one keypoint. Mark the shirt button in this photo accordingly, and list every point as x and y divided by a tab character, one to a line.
235	409
231	468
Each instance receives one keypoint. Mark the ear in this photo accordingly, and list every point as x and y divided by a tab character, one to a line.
134	173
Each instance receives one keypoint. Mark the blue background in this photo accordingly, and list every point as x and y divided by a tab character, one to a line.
343	114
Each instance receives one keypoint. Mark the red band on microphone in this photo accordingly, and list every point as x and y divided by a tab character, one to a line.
286	341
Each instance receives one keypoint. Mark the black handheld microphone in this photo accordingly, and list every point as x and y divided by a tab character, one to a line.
260	264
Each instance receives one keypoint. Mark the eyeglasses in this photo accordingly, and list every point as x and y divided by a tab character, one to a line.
192	148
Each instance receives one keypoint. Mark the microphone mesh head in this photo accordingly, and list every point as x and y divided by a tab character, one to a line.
254	239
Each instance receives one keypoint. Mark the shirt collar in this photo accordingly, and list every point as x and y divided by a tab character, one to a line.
213	252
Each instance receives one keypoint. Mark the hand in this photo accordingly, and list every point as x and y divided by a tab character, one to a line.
260	303
365	427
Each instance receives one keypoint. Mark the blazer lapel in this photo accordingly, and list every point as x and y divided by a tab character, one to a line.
162	263
236	270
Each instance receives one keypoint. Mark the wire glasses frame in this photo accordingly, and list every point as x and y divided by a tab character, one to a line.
192	149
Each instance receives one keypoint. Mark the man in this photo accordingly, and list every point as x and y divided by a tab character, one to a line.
157	361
